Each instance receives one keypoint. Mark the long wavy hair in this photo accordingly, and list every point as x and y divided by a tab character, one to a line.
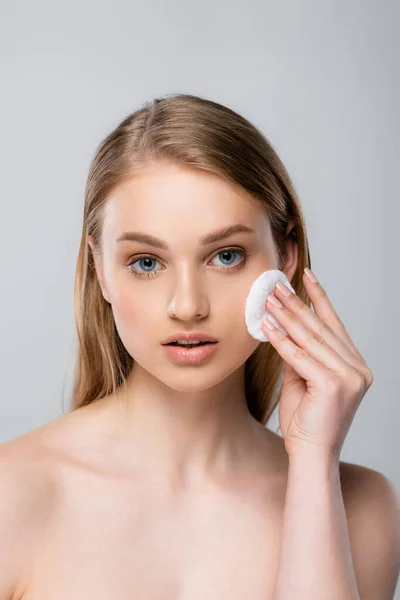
193	131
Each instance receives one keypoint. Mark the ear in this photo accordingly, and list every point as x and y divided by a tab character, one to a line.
99	268
291	253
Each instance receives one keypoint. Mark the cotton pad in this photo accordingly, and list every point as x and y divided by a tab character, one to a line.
256	310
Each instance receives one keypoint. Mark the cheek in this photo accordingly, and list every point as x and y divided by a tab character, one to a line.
131	312
130	307
232	325
127	310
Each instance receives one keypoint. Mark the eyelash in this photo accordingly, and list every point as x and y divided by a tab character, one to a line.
241	264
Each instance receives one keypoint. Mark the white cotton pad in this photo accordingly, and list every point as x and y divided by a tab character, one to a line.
256	310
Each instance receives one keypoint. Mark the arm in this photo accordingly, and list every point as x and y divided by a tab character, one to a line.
9	527
373	512
317	555
21	506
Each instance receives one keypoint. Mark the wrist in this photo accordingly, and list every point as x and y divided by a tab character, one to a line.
314	459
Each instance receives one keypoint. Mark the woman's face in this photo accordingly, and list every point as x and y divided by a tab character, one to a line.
186	285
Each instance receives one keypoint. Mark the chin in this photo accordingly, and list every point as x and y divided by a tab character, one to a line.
193	378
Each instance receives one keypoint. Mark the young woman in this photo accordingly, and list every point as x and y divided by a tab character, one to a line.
162	481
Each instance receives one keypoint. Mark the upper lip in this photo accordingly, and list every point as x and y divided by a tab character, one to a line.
194	335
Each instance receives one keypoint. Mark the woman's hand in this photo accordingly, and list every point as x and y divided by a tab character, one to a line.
325	376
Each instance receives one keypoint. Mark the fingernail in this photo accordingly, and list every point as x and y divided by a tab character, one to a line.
268	323
283	288
310	275
274	300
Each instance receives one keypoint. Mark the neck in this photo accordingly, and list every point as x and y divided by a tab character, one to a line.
184	436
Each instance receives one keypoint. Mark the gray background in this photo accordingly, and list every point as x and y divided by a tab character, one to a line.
319	78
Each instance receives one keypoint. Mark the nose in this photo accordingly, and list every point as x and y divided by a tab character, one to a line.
189	300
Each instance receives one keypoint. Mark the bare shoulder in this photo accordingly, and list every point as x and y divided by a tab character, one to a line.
373	517
365	490
372	507
30	467
25	496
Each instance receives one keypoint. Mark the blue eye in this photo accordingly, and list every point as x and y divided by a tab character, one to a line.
146	259
230	251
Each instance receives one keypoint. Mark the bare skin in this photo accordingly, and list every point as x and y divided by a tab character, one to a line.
172	491
113	530
84	525
175	490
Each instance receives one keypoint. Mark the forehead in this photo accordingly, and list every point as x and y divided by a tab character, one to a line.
179	203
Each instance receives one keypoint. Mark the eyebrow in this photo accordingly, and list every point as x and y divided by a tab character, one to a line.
210	238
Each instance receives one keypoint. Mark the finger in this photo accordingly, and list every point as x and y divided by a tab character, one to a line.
337	359
298	319
313	372
324	309
307	367
323	322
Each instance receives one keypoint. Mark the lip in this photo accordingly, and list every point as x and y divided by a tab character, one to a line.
194	335
190	355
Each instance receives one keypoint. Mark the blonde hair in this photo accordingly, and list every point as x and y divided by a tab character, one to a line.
187	130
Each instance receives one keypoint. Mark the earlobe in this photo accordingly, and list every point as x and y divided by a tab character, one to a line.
291	253
103	289
98	268
103	286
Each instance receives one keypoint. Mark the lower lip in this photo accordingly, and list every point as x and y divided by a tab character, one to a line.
190	355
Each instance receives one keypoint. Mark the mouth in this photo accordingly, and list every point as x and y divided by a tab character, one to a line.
190	353
189	345
185	338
